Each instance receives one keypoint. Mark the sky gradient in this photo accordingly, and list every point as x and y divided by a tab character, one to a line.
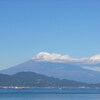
28	27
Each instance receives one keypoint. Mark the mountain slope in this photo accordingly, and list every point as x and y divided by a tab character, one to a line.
31	79
59	70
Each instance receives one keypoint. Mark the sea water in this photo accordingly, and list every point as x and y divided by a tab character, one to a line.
49	94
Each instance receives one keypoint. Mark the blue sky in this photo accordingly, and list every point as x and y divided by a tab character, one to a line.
28	27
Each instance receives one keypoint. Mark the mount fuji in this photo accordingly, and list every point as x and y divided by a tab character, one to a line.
60	66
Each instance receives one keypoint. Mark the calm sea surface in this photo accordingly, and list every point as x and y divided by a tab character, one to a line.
49	94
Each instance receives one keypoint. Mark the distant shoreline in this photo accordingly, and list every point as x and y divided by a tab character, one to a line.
17	87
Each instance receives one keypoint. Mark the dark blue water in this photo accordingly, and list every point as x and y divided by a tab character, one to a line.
49	94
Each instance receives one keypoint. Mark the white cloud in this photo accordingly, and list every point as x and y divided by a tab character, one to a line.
45	56
95	58
94	68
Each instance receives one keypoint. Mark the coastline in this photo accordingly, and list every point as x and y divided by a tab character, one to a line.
22	87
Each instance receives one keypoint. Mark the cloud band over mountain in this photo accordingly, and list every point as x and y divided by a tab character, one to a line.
45	56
